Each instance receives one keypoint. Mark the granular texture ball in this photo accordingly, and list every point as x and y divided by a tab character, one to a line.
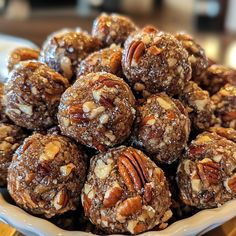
97	110
33	94
47	174
106	60
126	192
155	61
112	28
197	56
162	128
206	174
64	50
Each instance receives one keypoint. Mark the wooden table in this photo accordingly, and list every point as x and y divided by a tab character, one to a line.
227	229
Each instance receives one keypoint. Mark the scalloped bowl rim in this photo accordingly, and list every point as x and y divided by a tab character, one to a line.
201	221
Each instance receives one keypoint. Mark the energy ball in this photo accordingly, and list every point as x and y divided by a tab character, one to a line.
33	94
155	61
97	110
200	106
21	54
65	49
47	174
225	106
106	60
112	28
227	133
125	192
11	137
206	174
197	56
216	77
162	128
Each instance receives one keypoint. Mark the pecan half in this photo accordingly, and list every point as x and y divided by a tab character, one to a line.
133	169
135	51
130	206
112	196
209	171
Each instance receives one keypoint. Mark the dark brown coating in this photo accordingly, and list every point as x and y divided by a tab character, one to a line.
106	60
199	105
112	28
97	110
155	61
126	192
224	102
197	56
21	54
64	50
3	117
162	128
227	133
11	137
206	175
47	174
215	78
33	94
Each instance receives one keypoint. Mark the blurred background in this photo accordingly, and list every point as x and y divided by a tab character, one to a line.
211	22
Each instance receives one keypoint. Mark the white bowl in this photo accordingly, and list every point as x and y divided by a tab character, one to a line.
199	223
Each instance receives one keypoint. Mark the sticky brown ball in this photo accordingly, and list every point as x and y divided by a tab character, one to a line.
47	174
97	110
33	93
155	62
126	192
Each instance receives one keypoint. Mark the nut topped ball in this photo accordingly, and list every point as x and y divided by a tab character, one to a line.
21	54
11	137
112	28
47	174
224	102
197	56
64	50
125	192
155	61
199	105
206	175
33	94
107	60
162	128
97	110
216	77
